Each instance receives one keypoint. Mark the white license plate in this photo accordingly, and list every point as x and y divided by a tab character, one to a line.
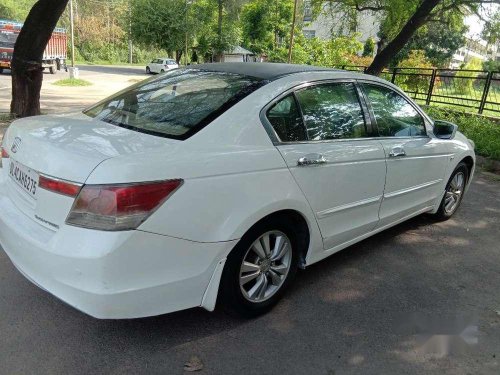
24	177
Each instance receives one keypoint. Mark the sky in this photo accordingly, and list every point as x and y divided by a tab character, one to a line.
475	24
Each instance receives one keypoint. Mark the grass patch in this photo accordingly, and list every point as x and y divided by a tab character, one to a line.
72	82
483	131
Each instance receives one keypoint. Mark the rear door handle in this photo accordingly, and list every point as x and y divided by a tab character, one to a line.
311	159
397	151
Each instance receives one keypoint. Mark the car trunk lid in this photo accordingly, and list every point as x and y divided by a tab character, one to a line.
68	148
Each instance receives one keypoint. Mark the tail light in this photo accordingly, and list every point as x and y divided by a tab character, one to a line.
5	154
119	207
59	186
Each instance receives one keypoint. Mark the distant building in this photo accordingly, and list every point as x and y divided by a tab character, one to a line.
477	48
331	23
240	54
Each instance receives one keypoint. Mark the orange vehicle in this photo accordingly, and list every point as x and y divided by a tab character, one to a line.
54	56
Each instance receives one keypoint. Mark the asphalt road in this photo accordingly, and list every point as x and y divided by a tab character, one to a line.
106	80
420	298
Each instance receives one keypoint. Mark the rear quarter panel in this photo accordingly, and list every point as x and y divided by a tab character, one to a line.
233	177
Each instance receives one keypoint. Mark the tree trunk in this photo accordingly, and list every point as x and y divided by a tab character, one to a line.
419	18
27	73
219	31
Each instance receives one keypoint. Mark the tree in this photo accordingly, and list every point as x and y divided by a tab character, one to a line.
26	62
402	19
265	23
161	23
438	40
491	30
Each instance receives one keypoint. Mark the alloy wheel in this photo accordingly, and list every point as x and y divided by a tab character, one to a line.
454	193
265	266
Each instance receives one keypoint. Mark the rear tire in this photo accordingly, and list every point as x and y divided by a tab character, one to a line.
52	70
148	71
252	284
454	192
1	70
162	71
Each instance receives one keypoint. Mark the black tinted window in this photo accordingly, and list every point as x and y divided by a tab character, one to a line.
395	116
332	111
174	104
285	118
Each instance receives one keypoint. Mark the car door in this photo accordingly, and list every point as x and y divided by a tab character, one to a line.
323	136
152	66
157	65
416	162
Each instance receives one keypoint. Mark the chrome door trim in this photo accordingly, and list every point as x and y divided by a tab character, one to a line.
363	202
411	189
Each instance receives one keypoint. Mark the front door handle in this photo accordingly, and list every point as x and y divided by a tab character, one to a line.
397	151
311	159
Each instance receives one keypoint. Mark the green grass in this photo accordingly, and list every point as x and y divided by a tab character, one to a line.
72	82
483	131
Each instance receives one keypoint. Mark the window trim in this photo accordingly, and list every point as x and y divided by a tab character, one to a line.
292	90
422	114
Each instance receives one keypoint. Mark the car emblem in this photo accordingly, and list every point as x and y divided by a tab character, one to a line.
16	145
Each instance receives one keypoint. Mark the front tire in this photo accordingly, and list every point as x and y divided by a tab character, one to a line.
52	70
454	192
260	268
148	71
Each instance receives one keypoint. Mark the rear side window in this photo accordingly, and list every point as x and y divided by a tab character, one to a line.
286	120
176	104
332	111
395	116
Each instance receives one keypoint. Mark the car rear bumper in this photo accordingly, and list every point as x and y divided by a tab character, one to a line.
110	275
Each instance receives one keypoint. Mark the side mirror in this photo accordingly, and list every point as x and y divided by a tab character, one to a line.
444	129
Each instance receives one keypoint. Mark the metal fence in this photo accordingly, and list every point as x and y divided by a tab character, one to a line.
475	90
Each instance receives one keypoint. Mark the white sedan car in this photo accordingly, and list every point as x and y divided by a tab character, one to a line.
216	183
161	65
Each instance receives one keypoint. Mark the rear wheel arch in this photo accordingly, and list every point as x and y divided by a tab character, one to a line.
299	222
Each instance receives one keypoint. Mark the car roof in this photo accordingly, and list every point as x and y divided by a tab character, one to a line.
267	71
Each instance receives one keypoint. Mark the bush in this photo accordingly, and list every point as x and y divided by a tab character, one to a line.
484	132
464	80
369	48
414	63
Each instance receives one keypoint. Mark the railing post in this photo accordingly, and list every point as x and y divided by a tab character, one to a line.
485	92
394	72
431	87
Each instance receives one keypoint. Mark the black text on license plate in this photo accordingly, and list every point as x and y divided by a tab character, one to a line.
25	179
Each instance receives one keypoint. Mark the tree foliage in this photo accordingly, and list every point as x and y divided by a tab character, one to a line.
438	41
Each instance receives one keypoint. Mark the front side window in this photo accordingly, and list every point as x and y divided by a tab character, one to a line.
176	104
286	120
395	116
332	111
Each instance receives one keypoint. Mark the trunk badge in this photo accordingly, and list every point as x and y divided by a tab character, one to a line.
16	145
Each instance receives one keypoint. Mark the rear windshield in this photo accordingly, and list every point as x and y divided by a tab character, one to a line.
176	104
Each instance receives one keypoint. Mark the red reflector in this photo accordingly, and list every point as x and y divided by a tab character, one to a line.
5	155
58	186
